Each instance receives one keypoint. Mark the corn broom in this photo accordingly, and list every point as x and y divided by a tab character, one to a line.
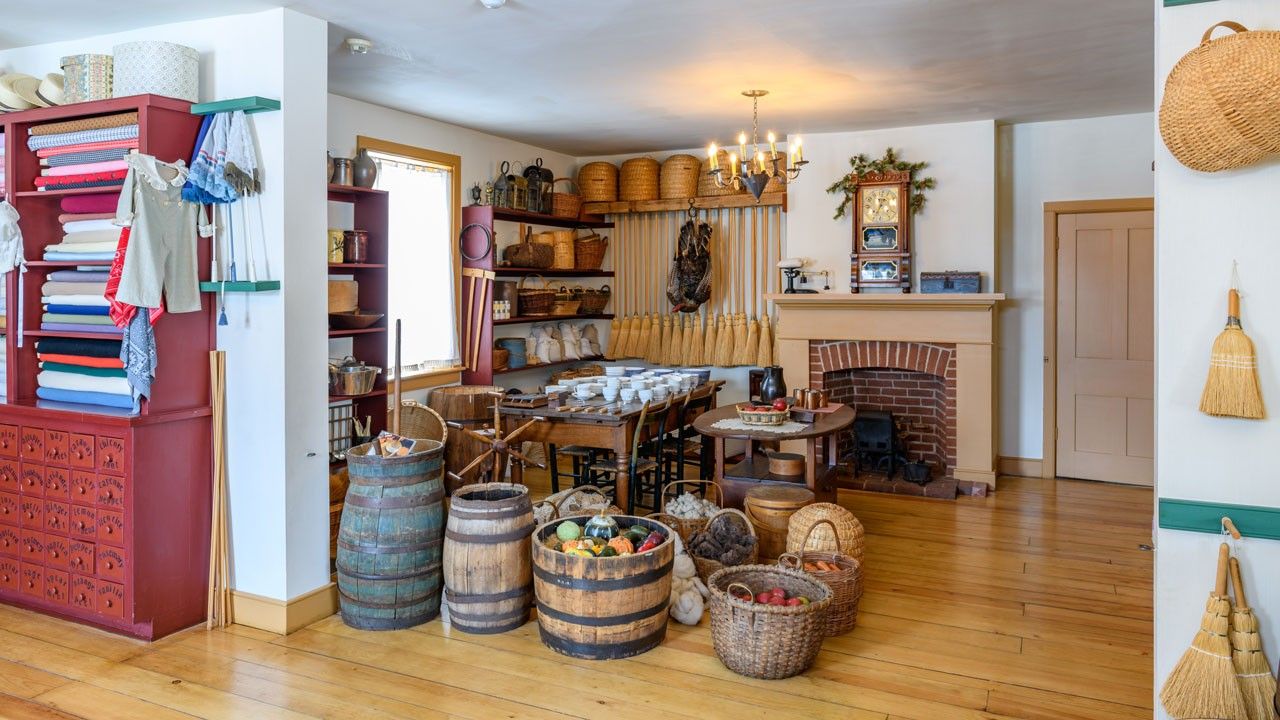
764	358
1253	671
696	342
1232	389
675	344
653	352
615	329
709	341
1203	683
641	344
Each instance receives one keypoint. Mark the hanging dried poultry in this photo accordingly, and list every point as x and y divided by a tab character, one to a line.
689	284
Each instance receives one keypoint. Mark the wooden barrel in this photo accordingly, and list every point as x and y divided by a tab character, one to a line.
488	571
389	538
769	507
470	406
602	608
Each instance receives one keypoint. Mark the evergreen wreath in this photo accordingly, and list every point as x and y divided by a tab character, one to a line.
861	165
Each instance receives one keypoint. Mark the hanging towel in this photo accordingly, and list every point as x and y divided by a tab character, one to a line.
96	203
241	170
10	239
124	402
82	360
126	132
206	183
90	123
138	351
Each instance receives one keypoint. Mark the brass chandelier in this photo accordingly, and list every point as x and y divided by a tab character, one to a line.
753	172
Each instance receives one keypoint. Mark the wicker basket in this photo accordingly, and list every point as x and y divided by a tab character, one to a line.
707	182
706	566
566	204
769	642
845	536
593	301
419	421
758	417
686	527
1221	105
561	307
679	178
598	182
500	358
769	507
845	582
563	243
533	301
529	254
581	499
638	179
590	370
589	251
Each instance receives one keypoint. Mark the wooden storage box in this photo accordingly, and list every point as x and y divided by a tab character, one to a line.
951	281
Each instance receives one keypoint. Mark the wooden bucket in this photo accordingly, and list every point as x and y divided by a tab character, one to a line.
488	571
602	608
470	406
769	507
389	539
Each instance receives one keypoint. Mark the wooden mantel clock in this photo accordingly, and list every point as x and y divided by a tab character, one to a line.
881	254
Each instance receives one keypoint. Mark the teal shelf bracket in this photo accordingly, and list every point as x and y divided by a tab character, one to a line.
1253	521
240	286
1175	3
250	105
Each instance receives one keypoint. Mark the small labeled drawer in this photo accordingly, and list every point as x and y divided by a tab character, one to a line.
31	513
10	507
31	444
57	586
80	556
56	552
56	445
110	527
9	476
9	441
111	563
84	487
57	517
56	483
111	492
10	574
32	547
84	593
10	541
111	599
31	480
31	579
111	454
80	451
83	523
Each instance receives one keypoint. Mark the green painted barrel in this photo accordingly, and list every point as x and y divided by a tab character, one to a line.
389	539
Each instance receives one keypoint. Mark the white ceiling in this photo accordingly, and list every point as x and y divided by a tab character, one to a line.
607	76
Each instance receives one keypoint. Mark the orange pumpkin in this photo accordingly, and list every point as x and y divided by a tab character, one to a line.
622	545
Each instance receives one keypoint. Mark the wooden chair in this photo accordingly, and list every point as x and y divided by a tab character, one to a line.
581	456
645	469
686	447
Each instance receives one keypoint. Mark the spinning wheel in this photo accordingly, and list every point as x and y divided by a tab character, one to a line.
499	446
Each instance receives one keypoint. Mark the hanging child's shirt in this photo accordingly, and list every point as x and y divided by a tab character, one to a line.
162	239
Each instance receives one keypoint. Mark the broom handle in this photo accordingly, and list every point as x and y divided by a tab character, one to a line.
1241	603
1224	552
1233	304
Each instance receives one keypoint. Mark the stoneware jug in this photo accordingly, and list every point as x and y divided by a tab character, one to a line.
772	386
364	169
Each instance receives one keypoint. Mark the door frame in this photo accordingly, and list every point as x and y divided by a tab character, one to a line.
1049	453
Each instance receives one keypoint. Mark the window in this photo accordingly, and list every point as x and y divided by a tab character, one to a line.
424	216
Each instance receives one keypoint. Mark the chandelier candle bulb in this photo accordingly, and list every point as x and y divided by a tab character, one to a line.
712	153
773	146
733	164
760	161
742	145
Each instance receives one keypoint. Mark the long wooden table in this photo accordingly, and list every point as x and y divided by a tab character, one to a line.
605	431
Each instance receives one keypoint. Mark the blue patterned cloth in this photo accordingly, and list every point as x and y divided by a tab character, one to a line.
80	137
138	351
91	156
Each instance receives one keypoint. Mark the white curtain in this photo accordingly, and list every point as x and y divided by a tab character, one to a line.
420	265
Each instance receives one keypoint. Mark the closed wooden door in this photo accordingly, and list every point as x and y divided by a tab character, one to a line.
1106	347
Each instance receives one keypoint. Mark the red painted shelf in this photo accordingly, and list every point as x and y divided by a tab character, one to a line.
552	318
358	331
57	192
540	366
521	272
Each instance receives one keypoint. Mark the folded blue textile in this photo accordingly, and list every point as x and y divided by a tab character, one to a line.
86	397
80	137
78	257
91	156
94	276
78	309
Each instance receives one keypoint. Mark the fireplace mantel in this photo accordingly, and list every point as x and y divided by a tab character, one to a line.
967	321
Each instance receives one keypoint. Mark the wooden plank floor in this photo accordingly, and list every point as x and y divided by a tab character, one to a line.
1034	603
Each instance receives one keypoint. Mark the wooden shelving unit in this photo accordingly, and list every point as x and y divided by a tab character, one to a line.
622	207
530	319
525	272
533	218
559	363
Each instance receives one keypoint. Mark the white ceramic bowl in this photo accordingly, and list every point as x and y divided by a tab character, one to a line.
610	394
617	371
627	394
646	395
613	382
583	392
557	388
571	383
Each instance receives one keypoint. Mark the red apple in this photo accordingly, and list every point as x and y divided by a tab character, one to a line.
763	597
778	592
780	404
793	602
775	600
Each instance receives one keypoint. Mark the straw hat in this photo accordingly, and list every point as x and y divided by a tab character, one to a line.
50	90
10	96
27	87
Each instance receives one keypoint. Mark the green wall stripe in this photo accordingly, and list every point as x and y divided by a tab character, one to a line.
1252	521
1173	3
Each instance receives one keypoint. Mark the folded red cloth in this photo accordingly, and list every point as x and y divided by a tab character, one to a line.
52	182
82	360
96	203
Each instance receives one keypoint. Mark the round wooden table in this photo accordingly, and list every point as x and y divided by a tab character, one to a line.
754	468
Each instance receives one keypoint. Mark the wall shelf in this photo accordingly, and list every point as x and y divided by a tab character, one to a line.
533	218
529	319
356	331
240	286
59	192
1253	521
250	105
740	200
543	366
524	272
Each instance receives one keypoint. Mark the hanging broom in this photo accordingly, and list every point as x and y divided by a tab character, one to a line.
693	356
1203	683
724	342
740	340
709	341
653	352
615	329
674	349
1232	389
753	342
642	337
764	355
1253	672
624	337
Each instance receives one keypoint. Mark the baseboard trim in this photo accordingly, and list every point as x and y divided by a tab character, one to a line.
283	616
1022	467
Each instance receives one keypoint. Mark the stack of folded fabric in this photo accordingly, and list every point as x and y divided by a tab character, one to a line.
1	164
84	153
89	235
73	302
87	372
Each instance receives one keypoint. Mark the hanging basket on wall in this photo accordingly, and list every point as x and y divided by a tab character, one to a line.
1221	106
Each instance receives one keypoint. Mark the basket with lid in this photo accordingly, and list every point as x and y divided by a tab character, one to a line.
769	507
839	571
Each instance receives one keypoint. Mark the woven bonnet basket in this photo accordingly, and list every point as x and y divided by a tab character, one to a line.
679	177
707	181
598	182
1221	105
638	179
848	537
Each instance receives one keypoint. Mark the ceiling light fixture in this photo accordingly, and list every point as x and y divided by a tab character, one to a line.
758	169
359	46
493	4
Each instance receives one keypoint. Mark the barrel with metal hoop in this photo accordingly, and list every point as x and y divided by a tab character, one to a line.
602	607
390	536
488	570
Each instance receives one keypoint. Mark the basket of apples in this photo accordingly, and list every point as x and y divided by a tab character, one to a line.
774	413
767	622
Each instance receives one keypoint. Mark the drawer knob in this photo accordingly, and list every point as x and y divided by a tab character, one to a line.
30	515
111	565
81	489
80	525
109	603
31	584
108	529
108	495
5	577
78	562
80	598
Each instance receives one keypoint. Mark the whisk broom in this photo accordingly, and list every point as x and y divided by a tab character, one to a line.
1253	672
1203	683
709	341
1232	389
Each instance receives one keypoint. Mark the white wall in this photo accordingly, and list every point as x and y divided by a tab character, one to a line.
1089	159
276	430
1203	222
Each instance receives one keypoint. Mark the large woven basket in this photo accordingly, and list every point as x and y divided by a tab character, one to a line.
845	582
843	534
1221	105
593	301
598	182
421	422
707	182
686	527
638	179
566	204
529	254
589	251
769	507
589	370
706	566
679	177
535	301
769	642
563	243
